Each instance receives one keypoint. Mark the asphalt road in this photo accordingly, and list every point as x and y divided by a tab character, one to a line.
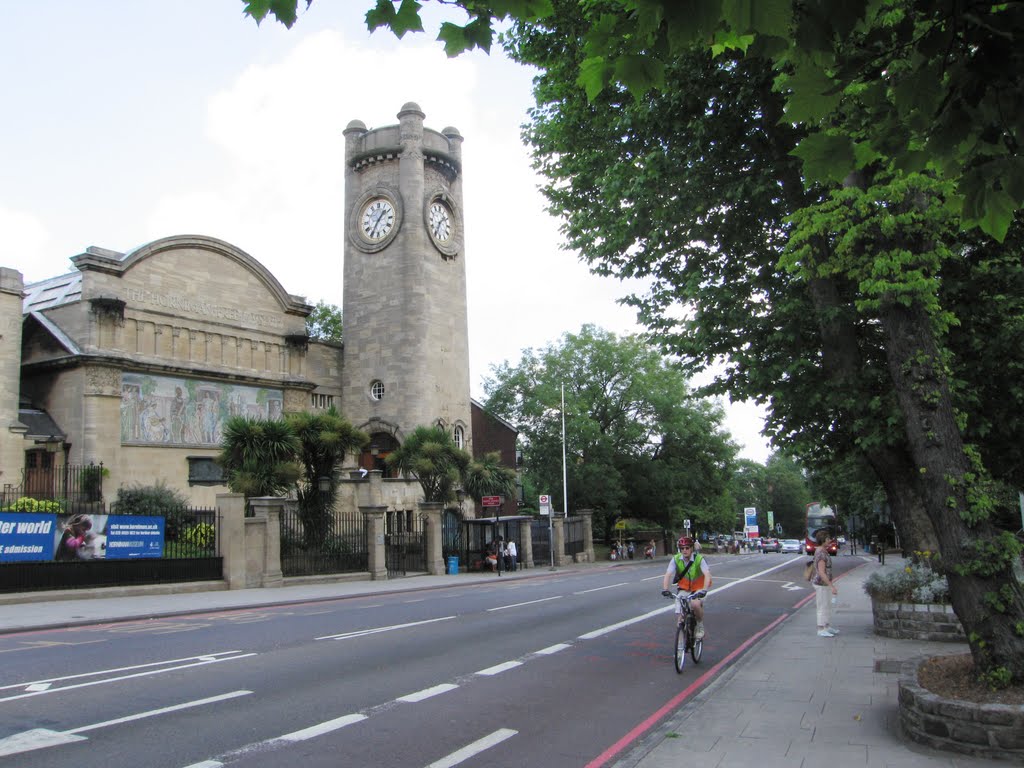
564	670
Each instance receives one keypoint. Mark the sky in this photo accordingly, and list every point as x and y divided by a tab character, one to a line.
125	122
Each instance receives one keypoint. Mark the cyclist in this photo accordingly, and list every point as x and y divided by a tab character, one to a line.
689	570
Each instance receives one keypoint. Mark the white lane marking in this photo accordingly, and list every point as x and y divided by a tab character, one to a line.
497	669
37	738
553	649
375	630
38	687
789	586
529	602
612	627
124	677
322	728
161	711
426	693
621	624
96	673
474	749
206	764
40	738
598	589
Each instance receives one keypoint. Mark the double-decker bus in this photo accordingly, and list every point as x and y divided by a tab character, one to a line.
816	517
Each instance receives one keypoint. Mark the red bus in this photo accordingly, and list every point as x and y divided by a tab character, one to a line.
816	517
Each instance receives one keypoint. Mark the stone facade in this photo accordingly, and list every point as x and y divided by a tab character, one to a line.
406	334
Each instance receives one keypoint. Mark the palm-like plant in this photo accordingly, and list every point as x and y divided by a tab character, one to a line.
487	476
259	456
324	439
430	455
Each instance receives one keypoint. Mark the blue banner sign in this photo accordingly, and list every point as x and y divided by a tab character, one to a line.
26	537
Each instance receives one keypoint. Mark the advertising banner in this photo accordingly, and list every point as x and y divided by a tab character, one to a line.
28	537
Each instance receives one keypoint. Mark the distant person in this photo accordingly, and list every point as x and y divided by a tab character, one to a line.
690	573
824	587
630	550
511	553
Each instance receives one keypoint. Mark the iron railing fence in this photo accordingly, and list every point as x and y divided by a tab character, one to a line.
190	553
335	543
405	543
574	542
74	486
540	533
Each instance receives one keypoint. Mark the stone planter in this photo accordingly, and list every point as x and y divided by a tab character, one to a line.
915	621
970	728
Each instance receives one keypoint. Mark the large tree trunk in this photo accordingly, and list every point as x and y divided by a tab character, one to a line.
986	596
895	471
842	362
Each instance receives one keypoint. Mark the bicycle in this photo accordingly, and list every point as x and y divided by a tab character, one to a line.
686	628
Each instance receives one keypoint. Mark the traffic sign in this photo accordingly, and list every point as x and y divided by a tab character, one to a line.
490	501
545	500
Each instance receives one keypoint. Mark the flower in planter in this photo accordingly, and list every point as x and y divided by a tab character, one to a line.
918	582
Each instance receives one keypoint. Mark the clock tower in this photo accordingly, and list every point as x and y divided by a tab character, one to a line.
406	338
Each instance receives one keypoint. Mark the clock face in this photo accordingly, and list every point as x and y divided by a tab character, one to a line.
378	219
440	222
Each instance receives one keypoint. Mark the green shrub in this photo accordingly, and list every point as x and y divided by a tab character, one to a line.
39	506
201	535
157	501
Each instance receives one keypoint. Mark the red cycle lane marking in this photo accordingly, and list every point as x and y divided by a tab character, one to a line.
676	700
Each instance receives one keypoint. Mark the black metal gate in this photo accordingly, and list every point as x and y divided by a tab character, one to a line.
405	543
335	544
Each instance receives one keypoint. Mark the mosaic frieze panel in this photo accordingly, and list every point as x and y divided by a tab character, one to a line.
164	410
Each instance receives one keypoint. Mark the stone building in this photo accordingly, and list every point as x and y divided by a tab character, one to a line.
137	359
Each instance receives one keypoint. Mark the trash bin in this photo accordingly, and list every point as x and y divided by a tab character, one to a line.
453	566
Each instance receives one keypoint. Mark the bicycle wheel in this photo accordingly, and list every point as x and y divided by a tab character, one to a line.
697	650
679	650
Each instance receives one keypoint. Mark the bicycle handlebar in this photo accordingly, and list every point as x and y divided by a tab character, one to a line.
696	595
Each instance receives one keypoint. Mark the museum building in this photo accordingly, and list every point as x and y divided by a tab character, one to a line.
136	360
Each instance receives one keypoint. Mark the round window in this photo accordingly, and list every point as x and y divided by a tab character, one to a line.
377	390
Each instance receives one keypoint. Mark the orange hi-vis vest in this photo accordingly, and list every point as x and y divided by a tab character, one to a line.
691	576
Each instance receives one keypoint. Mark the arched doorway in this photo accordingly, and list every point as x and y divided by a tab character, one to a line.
375	454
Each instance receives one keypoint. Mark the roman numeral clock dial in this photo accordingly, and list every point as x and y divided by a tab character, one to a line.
378	219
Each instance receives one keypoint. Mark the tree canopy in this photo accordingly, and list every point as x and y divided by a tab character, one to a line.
325	322
637	443
938	86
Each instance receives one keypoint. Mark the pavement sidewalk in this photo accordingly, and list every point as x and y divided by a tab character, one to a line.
801	701
793	699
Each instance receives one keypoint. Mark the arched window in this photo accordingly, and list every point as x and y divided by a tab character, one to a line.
460	436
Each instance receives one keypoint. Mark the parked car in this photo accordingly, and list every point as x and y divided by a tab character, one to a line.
790	545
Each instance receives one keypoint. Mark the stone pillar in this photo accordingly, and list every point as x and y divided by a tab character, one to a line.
12	432
375	541
431	510
588	533
268	508
370	492
231	538
558	540
526	550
